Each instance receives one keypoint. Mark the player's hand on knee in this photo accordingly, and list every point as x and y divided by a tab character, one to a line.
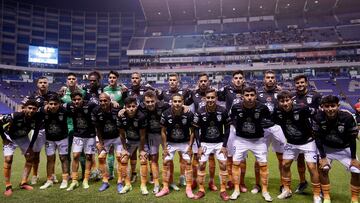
166	153
355	163
200	152
224	151
189	151
324	164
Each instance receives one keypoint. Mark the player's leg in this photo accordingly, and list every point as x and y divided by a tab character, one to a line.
167	159
212	168
182	163
188	171
131	150
63	147
77	148
89	150
133	160
222	171
23	144
39	143
301	166
110	162
355	186
103	169
143	157
201	173
50	148
154	143
239	155
8	151
286	178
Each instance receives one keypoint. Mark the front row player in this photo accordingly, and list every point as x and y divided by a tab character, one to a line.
297	127
14	130
335	134
249	118
212	122
177	135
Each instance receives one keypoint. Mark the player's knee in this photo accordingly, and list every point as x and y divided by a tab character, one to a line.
124	159
202	166
222	165
63	158
50	158
89	157
236	163
143	160
8	160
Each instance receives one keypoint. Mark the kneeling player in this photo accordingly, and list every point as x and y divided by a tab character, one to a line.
177	135
335	134
133	129
296	125
212	120
56	131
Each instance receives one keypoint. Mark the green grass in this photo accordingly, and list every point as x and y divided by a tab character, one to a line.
340	188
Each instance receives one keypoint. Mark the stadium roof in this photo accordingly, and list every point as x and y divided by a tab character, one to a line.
190	10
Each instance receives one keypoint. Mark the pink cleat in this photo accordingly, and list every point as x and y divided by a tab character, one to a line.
189	193
162	192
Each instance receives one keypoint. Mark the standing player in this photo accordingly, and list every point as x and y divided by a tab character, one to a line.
296	125
177	135
16	130
152	108
212	120
304	97
335	135
105	120
133	130
93	89
229	94
55	122
250	117
84	137
197	100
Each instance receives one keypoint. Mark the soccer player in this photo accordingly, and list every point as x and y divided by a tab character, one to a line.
55	123
133	129
15	131
84	137
303	96
197	100
153	108
177	135
250	117
105	121
213	122
229	93
93	89
335	135
297	127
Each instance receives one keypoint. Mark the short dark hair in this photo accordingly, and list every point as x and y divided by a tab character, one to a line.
96	74
174	75
150	93
74	94
283	95
31	102
177	95
71	74
238	72
55	98
298	77
114	73
41	78
210	90
330	99
203	74
269	72
130	100
249	89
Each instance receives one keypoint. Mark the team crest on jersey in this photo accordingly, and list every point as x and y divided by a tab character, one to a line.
257	115
219	117
184	121
181	92
86	111
309	100
61	117
296	117
136	124
269	99
46	117
341	128
141	92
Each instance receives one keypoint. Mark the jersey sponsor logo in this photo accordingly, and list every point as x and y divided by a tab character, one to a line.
261	95
132	134
257	115
324	127
170	120
204	118
241	114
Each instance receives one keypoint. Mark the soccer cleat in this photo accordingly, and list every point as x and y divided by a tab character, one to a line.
8	191
85	184
144	190
162	192
95	175
189	194
54	179
327	201
256	189
224	196
284	194
199	195
73	185
119	187
267	197
182	180
230	185
133	177
235	195
48	183
26	186
243	188
317	200
34	180
301	187
156	189
104	186
174	187
126	189
354	201
194	185
212	186
64	184
281	188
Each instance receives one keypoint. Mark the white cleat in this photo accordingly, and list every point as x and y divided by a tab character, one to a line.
267	197
285	194
235	195
49	183
34	180
317	199
64	184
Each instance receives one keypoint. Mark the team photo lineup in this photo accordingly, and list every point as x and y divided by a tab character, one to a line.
107	129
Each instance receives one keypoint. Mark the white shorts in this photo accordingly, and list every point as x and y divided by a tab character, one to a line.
230	143
212	148
132	146
62	146
40	141
154	141
275	136
195	147
256	146
84	144
342	155
180	147
23	143
116	142
309	150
